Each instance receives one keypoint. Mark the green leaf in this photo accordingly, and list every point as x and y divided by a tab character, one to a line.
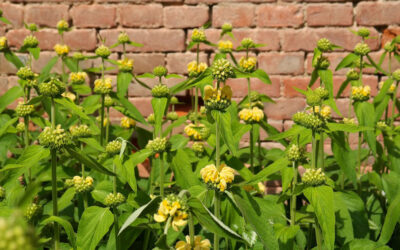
292	132
366	116
178	142
261	75
71	64
159	108
65	102
184	175
351	128
94	224
383	91
67	227
226	129
29	158
92	143
135	44
348	60
267	171
88	161
342	87
174	124
131	109
173	76
47	68
35	52
391	219
149	207
10	96
5	20
344	156
5	126
344	226
327	79
123	81
146	75
321	198
82	89
132	162
12	58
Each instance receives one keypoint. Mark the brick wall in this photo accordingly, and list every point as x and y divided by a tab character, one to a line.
290	29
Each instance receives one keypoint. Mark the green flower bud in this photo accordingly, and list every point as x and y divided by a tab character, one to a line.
52	88
54	138
389	47
198	36
20	127
16	234
77	78
295	153
198	148
248	43
23	109
254	96
324	45
160	71
323	62
103	86
123	38
322	93
222	69
160	90
32	211
172	116
382	125
314	177
103	51
396	75
82	185
226	27
80	131
31	83
352	75
32	27
108	101
361	49
30	42
2	193
174	100
311	121
349	121
313	99
151	119
78	56
69	182
3	43
363	32
113	147
25	73
158	145
204	133
112	200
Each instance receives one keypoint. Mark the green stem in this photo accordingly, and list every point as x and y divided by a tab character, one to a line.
146	239
53	114
108	124
252	149
102	68
153	164
359	152
82	165
313	150
394	98
321	162
196	103
85	200
217	210
161	162
116	227
26	140
54	196
293	201
102	121
217	141
191	230
318	236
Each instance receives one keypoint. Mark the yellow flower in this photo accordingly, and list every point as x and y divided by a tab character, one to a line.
226	92
197	132
195	69
261	187
360	93
62	25
208	92
77	77
391	88
125	65
249	64
180	220
324	112
198	35
198	244
3	42
103	86
105	120
69	95
127	122
219	178
171	207
225	46
209	173
251	115
61	49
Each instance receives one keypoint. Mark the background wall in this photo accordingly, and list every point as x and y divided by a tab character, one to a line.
289	28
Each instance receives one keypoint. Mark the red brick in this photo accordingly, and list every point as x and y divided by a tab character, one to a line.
306	39
146	16
334	58
47	38
46	15
81	40
395	64
279	15
185	16
143	105
8	68
152	40
177	62
281	110
14	13
240	89
388	34
239	15
279	63
15	38
290	83
226	1
93	16
378	13
330	15
146	62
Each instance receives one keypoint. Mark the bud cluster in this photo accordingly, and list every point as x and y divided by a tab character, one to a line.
77	78
160	71
52	88
295	153
113	147
80	131
15	234
217	99
314	177
54	138
103	51
248	64
172	116
198	148
221	70
30	42
309	120
160	90
103	86
24	109
32	211
198	36
82	185
112	200
158	145
25	73
361	49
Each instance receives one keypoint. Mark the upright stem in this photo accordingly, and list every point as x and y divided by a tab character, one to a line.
196	103
252	148
102	121
217	209
53	114
313	150
108	124
293	201
191	230
162	174
321	162
394	98
359	152
54	179
217	141
116	227
82	165
26	140
146	239
318	236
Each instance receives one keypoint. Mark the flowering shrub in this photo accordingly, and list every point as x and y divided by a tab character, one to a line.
69	176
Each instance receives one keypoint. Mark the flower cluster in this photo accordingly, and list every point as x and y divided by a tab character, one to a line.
80	131
218	178
160	90
361	49
82	184
360	93
25	73
391	88
199	244
225	46
113	147
309	120
103	51
61	49
324	45
32	211
52	88
123	38
248	43
253	115
160	71
158	145
197	132
108	101
221	70
30	42
125	65
174	207
77	77
381	125
20	127
127	122
295	153
54	138
62	25
195	69
217	99
352	75
248	64
325	112
172	116
16	234
198	148
314	177
3	43
24	109
114	200
103	86
198	36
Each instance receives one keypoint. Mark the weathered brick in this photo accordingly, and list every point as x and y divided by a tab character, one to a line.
290	83
177	62
94	16
8	68
146	62
16	37
146	16
47	38
330	15
388	34
306	39
240	89
153	40
46	15
281	110
269	15
226	1
378	13
143	104
81	39
239	15
185	16
14	13
279	63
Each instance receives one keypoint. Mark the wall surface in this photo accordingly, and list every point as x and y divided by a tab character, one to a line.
289	28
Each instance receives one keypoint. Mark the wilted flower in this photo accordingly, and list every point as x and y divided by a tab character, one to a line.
199	244
127	122
219	178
